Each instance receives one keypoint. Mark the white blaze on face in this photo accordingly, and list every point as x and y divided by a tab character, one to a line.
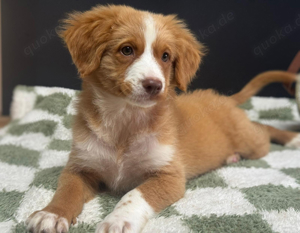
146	66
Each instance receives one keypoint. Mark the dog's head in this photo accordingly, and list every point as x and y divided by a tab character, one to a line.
133	54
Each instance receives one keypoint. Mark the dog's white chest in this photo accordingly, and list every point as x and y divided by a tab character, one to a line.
123	169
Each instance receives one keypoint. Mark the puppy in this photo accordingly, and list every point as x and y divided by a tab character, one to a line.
132	133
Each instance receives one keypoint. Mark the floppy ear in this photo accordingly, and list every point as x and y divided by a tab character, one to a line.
189	54
86	35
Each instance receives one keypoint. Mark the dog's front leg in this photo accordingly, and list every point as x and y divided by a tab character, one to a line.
133	211
72	192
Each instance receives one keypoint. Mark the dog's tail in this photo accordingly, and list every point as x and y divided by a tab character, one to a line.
263	79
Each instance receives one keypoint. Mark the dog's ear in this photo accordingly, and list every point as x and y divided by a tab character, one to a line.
86	35
188	58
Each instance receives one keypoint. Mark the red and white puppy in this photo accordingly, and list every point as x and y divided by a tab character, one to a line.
132	133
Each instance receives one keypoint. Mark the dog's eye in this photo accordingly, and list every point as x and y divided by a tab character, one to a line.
127	51
165	57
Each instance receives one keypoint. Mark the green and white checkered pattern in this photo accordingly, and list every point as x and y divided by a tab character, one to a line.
250	196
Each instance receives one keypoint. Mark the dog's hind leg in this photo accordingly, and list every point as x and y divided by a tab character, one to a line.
256	140
284	137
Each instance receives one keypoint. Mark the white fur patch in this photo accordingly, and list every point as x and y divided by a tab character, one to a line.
44	221
114	110
122	123
130	215
146	66
295	142
144	154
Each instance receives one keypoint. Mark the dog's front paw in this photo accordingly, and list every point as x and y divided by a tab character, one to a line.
129	216
45	222
122	221
115	224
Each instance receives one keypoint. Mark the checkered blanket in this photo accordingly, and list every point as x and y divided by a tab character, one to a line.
250	196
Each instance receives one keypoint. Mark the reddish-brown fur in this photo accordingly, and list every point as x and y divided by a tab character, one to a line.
205	128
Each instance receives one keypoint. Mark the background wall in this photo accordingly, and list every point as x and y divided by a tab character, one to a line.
243	37
0	65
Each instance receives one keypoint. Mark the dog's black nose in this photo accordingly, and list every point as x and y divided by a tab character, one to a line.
152	86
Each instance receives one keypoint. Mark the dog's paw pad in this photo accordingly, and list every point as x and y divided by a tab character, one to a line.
43	221
233	159
117	226
294	143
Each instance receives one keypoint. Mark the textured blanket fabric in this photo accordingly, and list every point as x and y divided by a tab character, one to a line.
250	196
